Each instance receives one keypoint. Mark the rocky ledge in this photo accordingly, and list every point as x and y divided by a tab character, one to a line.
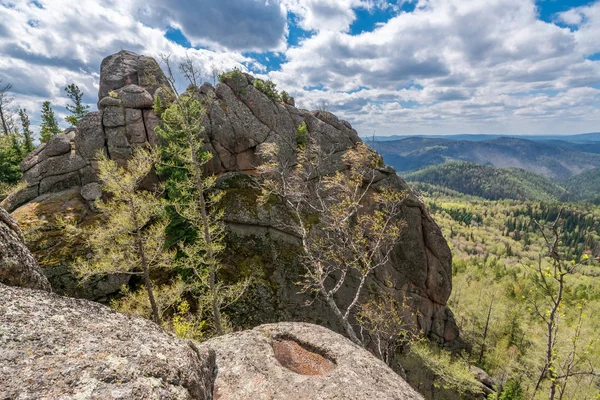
290	361
54	347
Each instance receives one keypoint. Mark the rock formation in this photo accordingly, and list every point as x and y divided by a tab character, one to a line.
17	265
54	347
125	119
300	361
239	120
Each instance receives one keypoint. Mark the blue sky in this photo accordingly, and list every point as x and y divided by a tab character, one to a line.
388	67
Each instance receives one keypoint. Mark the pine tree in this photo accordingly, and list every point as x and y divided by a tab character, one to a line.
49	127
78	109
27	134
131	239
195	200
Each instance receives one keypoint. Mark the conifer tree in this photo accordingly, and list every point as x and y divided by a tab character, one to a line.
131	239
78	109
49	127
193	195
27	134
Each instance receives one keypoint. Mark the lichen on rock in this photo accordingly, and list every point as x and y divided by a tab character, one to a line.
53	347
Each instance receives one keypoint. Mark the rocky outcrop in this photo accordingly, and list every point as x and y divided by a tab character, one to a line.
300	361
17	265
125	120
239	120
54	347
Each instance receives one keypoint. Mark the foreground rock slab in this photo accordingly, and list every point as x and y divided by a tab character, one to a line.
54	347
300	361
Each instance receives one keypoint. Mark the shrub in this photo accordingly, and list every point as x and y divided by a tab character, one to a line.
268	88
302	135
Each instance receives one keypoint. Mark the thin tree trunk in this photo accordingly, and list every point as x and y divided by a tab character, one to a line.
3	119
145	267
552	338
347	327
208	240
485	330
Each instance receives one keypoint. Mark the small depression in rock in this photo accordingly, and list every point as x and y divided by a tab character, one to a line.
300	358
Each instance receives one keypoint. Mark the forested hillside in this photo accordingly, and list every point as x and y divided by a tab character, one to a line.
547	159
489	182
585	185
503	286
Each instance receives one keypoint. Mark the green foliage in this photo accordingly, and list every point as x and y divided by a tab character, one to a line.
512	391
269	88
187	325
345	239
11	155
234	75
236	79
27	133
492	257
450	372
489	182
285	97
585	186
302	135
77	108
132	237
194	203
49	125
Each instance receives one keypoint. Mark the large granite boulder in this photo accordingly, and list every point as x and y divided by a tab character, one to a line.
54	347
290	361
17	265
125	120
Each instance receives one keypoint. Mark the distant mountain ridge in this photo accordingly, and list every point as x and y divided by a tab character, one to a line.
581	137
552	160
489	182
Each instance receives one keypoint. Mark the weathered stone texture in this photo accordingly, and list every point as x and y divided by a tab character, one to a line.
54	347
293	361
17	265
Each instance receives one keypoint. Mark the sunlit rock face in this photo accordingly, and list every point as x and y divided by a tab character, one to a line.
57	347
241	118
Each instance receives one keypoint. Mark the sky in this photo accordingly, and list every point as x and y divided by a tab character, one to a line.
395	67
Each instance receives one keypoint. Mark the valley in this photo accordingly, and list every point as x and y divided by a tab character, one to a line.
497	252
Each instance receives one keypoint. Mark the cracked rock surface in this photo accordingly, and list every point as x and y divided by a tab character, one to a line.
54	347
17	265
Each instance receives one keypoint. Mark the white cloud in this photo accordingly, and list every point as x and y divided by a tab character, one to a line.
67	42
463	65
257	25
449	66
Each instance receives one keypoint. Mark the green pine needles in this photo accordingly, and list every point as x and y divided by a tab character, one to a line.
77	109
194	200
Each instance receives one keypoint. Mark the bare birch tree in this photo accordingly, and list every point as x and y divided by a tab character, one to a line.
347	227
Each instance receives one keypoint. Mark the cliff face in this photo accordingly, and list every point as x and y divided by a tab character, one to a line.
54	347
240	119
